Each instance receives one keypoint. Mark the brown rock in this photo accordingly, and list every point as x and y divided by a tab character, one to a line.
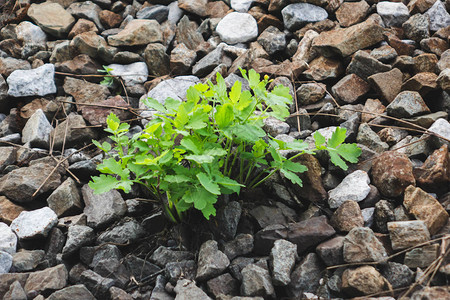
434	292
347	41
309	93
54	278
372	106
425	62
443	33
434	174
422	83
347	217
325	25
82	25
217	9
309	233
80	64
304	50
350	89
392	173
400	47
421	257
136	33
361	245
350	13
6	280
187	34
157	59
266	21
96	115
8	210
85	92
434	45
29	109
72	132
110	19
444	62
443	80
181	59
198	7
387	84
11	47
364	280
426	208
323	68
87	43
312	189
286	68
364	65
405	234
419	6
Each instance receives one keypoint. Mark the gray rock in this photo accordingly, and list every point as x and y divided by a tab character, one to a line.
283	257
10	64
417	27
272	40
163	255
15	292
174	88
159	291
227	220
237	28
37	130
54	278
99	286
136	33
405	234
398	275
131	74
361	245
65	199
52	18
394	14
187	34
211	261
157	59
384	213
31	224
266	215
275	127
104	208
181	59
8	240
421	257
367	137
107	263
439	17
185	269
256	281
6	260
442	128
36	82
224	284
72	131
128	232
186	290
77	237
74	292
157	12
32	37
241	245
331	251
305	277
355	186
298	15
407	104
241	5
364	65
175	13
205	65
87	10
140	268
26	260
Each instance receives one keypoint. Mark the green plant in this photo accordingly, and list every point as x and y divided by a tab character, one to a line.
211	144
108	79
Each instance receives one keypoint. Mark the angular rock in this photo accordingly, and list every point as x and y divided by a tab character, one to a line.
256	281
272	40
72	131
36	82
306	276
157	59
331	251
31	224
350	13
210	61
323	68
405	234
174	88
237	28
441	128
136	33
15	292
74	292
37	130
392	173
224	284
309	233
425	207
197	7
8	240
99	286
9	210
435	171
388	84
398	275
181	59
87	10
361	245
439	17
347	217
384	213
355	186
364	65
54	278
310	93
77	237
435	292
52	18
131	74
156	12
163	255
65	199
304	51
385	53
394	14
283	255
26	260
421	257
177	270
186	289
350	88
128	232
241	245
211	261
407	104
361	281
9	65
187	34
417	27
82	25
298	15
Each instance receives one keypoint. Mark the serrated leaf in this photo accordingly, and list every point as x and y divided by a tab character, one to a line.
224	115
172	104
275	155
192	94
177	178
190	144
215	152
197	120
103	183
208	211
294	167
229	184
200	159
350	152
138	170
113	122
235	92
292	177
221	87
337	160
248	132
154	104
206	181
111	166
319	139
182	116
337	138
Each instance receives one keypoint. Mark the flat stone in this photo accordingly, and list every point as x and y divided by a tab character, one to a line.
309	93
387	84
407	104
211	261
361	281
419	6
394	14
35	82
186	289
298	15
421	257
355	186
392	173
27	260
361	245
439	17
131	74
309	233
31	224
52	18
85	92
350	88
237	27
256	281
137	32
385	54
405	234
210	61
283	255
346	41
350	13
128	232
156	12
224	284
54	278
37	130
78	291
323	68
364	65
331	251
10	64
425	207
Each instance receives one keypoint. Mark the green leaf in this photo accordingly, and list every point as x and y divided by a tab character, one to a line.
337	138
113	122
292	177
235	92
208	211
103	183
248	132
224	115
106	147
200	159
319	139
138	170
197	120
221	87
172	104
294	167
350	152
154	104
182	116
215	152
111	166
177	178
337	161
230	184
190	144
207	182
192	94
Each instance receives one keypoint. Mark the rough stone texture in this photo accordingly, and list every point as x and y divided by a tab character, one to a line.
298	15
361	245
388	84
256	281
74	292
52	18
405	234
272	40
9	210
439	17
157	59
72	131
37	130
8	240
435	171
224	284
364	65
426	208
350	13
241	245
306	275
30	224
131	74
211	261
283	255
128	232
162	256
54	278
102	209
361	281
331	251
347	217
6	260
77	237
350	88
355	186
65	199
136	33
421	257
394	14
186	289
323	68
36	82
392	173
181	59
237	28
398	275
441	127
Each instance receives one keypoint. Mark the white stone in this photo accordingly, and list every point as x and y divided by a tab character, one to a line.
237	28
241	5
34	223
174	88
355	186
31	35
439	17
175	13
35	82
37	130
6	260
8	240
442	128
393	13
131	74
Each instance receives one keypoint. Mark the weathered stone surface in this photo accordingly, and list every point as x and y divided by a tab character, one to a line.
323	68
350	88
9	210
388	84
283	255
441	127
74	292
36	82
99	286
37	130
372	109
347	41
241	245
306	275
197	7
82	25
136	33
350	13
65	199
85	92
309	233
72	131
393	13
163	255
434	174
128	232
174	88
355	186
275	127
398	275
304	51
87	10
364	65
237	28
298	15
181	59
211	261
15	292
407	104
347	217
54	278
186	289
10	64
157	59
405	234
272	40
27	260
434	292
31	224
364	280
361	245
426	208
256	281
224	284
210	61
187	34
8	240
77	237
421	257
439	17
174	271
52	18
331	251
392	173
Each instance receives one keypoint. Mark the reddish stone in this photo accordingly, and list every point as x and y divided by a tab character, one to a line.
347	217
372	106
323	68
401	47
110	19
425	63
350	89
434	174
96	115
8	210
350	13
80	64
82	25
419	6
434	45
422	83
217	9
